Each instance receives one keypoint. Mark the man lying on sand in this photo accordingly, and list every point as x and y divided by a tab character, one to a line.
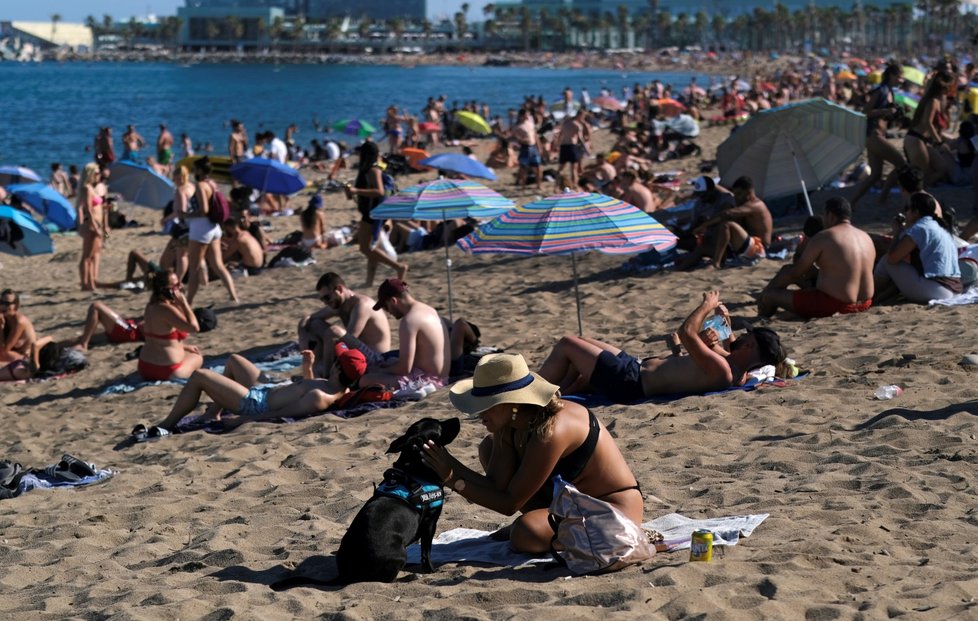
843	257
240	392
580	365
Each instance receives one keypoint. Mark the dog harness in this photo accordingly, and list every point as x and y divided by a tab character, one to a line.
422	496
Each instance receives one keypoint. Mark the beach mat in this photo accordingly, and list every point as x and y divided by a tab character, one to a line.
475	546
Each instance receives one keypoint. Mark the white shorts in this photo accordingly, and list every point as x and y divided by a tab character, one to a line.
203	231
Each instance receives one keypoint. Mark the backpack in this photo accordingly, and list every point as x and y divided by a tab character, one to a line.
218	208
206	318
390	186
367	394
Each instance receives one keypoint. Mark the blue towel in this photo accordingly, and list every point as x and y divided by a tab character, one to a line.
33	481
134	381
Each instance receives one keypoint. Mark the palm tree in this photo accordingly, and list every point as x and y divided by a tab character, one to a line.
654	15
92	24
622	25
526	25
681	28
276	30
233	29
55	18
782	20
718	25
460	24
132	29
663	25
107	22
700	23
396	26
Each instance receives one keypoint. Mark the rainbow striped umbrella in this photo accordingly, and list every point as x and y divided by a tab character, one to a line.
443	199
568	224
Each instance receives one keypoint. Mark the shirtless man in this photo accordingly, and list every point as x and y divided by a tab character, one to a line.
525	134
59	180
132	142
240	392
424	355
164	150
843	256
634	192
363	327
17	333
237	142
579	364
571	141
601	171
742	231
238	241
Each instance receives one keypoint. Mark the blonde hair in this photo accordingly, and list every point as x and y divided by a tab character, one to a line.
181	175
543	417
88	177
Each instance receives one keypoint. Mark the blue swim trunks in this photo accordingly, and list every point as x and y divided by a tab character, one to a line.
256	401
618	378
529	155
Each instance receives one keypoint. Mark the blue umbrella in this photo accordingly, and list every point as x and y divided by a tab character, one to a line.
268	175
458	163
140	184
21	234
46	201
17	174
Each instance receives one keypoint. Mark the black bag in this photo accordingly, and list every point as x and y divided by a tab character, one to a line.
206	318
290	256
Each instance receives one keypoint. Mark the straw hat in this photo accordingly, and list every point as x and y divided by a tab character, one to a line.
500	378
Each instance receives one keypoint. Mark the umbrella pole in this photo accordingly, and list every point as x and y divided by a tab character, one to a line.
577	296
804	190
448	267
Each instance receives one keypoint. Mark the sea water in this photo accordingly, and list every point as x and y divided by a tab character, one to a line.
50	112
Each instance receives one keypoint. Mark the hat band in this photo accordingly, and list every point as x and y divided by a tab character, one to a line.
489	391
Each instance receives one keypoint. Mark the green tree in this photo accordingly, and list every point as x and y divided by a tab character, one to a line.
107	22
233	29
526	26
276	29
701	23
718	25
92	24
654	22
396	26
55	18
461	25
623	24
132	31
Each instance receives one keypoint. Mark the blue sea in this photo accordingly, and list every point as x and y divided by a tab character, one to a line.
51	112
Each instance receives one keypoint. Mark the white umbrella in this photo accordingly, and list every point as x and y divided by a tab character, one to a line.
794	147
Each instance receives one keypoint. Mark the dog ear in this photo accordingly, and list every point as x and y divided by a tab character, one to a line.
397	445
449	429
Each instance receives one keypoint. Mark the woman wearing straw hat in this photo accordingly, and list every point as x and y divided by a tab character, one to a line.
533	436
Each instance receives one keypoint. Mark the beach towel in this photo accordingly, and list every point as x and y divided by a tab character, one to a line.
36	480
970	296
475	546
758	378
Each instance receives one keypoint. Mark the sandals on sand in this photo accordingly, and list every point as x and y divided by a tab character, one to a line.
70	470
140	433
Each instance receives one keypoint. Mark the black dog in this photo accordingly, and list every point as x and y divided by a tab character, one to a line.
404	509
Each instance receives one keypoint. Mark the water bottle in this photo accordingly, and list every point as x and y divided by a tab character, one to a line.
888	392
719	325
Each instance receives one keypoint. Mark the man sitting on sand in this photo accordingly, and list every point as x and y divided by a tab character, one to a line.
743	230
363	327
844	257
241	247
582	365
423	356
239	392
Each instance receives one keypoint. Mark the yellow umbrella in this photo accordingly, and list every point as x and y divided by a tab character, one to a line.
875	77
472	121
913	75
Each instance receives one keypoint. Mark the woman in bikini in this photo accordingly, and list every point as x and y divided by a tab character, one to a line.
17	338
533	436
167	322
924	142
313	222
93	226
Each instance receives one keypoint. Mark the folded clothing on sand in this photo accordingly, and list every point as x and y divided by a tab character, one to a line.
69	472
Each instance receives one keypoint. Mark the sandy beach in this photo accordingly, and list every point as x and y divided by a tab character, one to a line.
871	503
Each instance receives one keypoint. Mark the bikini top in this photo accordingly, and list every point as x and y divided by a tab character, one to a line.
571	466
96	200
173	335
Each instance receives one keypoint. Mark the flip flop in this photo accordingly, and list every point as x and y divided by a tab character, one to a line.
8	473
155	433
138	433
58	472
79	467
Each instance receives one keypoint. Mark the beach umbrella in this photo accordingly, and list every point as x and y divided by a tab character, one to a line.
845	75
804	144
22	235
570	223
140	184
48	202
669	106
563	106
17	174
608	103
913	75
271	176
905	99
354	127
459	163
473	122
414	156
443	199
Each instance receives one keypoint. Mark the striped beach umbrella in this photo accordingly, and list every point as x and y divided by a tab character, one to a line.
906	99
568	224
793	147
443	199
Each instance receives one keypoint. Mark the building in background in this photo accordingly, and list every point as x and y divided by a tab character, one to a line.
374	9
48	35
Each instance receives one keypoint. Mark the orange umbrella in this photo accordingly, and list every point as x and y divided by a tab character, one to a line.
670	106
414	156
845	75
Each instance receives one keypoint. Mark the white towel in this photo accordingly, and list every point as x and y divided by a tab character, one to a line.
471	545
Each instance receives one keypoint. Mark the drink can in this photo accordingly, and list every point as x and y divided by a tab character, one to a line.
701	546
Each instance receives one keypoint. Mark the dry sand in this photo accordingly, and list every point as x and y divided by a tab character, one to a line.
872	503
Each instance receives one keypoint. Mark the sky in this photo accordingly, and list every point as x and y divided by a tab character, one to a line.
122	10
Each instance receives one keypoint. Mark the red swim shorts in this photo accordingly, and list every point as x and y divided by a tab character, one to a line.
131	333
811	303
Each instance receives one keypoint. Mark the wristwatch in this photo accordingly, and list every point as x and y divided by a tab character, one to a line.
459	485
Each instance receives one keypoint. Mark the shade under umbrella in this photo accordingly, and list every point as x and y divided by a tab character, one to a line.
793	147
443	199
267	175
141	185
473	122
570	223
17	174
22	235
459	163
354	127
48	202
